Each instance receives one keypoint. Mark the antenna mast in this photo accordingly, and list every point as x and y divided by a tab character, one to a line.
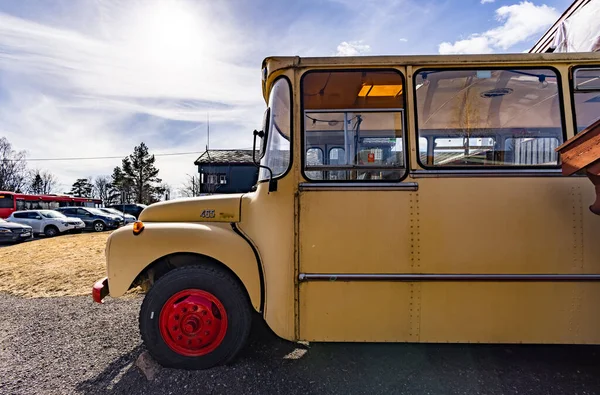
207	131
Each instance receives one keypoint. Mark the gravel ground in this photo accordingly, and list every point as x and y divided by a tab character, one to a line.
71	345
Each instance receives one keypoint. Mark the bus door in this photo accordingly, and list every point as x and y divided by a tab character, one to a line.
355	208
500	231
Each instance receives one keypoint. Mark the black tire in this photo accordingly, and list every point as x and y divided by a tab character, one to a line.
213	280
51	231
98	226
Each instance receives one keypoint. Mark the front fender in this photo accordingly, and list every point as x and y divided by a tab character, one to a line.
128	255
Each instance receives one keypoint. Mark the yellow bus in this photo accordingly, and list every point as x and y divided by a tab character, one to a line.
400	199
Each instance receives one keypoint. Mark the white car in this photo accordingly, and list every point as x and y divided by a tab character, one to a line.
47	222
127	218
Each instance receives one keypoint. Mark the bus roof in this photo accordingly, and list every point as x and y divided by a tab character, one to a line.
58	198
271	65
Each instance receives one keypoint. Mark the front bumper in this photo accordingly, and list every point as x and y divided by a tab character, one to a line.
114	224
100	290
14	236
73	226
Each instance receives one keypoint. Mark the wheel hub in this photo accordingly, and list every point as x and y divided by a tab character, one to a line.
193	322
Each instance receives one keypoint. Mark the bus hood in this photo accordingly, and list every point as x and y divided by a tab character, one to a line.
215	208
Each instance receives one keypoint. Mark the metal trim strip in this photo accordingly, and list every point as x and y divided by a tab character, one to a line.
447	277
486	173
370	186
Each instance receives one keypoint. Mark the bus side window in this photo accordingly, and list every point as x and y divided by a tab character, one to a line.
314	157
357	117
478	118
587	96
337	156
423	151
531	151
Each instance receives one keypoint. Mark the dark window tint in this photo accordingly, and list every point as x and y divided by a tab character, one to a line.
34	215
6	201
21	215
82	212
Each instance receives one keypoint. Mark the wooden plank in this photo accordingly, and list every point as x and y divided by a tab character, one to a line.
581	151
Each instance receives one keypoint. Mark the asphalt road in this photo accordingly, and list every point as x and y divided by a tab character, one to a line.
71	345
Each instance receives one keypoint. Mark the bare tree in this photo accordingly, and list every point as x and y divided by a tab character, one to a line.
13	167
191	186
41	182
49	182
166	190
102	188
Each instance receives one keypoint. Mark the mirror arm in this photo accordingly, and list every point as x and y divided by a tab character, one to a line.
272	182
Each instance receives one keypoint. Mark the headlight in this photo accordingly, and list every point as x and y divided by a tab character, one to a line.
65	223
4	230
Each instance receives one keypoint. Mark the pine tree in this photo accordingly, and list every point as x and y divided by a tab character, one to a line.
81	188
37	185
138	169
120	187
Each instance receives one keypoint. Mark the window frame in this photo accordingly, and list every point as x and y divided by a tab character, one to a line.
475	169
214	177
291	136
82	211
405	132
573	90
7	197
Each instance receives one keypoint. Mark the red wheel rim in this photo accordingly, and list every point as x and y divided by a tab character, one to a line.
193	322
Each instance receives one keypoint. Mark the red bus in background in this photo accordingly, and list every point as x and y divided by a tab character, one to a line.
12	201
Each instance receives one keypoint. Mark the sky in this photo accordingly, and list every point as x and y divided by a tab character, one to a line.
89	78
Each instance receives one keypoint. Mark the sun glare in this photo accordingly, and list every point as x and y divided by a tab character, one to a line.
169	31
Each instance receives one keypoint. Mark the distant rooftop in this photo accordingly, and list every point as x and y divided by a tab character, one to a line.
225	157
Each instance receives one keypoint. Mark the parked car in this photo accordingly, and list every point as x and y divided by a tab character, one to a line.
94	219
10	231
127	218
133	209
47	222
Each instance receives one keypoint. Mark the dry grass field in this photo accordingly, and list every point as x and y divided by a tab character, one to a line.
61	266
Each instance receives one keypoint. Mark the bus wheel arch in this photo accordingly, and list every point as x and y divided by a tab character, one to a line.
165	264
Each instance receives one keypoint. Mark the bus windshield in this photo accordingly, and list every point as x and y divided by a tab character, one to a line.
277	152
7	201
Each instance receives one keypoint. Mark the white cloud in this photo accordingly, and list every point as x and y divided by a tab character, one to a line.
78	94
487	1
403	40
352	48
520	22
474	44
